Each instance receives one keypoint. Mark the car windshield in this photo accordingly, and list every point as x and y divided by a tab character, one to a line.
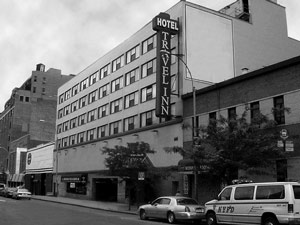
186	201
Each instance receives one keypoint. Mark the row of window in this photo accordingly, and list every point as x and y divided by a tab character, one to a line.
278	112
130	123
146	94
116	64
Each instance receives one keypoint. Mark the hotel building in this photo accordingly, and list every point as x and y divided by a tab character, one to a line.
113	101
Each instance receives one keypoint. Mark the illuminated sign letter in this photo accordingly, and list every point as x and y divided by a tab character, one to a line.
165	27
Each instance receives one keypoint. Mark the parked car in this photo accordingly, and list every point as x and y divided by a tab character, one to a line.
20	193
7	192
172	208
2	187
256	203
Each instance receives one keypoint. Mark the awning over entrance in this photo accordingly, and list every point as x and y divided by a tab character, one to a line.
16	177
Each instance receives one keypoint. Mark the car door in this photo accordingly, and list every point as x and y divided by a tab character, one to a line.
152	210
223	206
163	207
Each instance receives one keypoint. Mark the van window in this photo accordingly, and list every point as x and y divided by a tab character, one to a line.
244	193
270	192
296	192
225	195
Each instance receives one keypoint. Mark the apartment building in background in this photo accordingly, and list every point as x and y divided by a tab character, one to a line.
28	118
113	101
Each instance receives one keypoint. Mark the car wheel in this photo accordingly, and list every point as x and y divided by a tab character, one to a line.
211	219
143	214
270	221
171	217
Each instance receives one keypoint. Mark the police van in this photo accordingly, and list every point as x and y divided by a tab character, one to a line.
256	203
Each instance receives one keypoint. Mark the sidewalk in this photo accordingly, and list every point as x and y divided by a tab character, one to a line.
108	206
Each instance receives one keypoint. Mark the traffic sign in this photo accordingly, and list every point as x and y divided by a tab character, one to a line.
284	134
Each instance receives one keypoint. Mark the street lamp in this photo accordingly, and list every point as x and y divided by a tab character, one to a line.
193	119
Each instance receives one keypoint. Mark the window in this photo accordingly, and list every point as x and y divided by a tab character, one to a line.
116	106
130	123
59	128
244	193
21	98
93	78
67	110
83	84
148	93
104	71
82	101
115	127
296	189
254	110
149	44
91	134
65	141
91	116
225	195
68	94
232	113
103	91
133	54
75	89
81	119
66	126
34	90
92	96
61	98
270	192
278	110
58	143
147	118
149	68
118	63
73	139
212	116
103	111
35	78
74	106
76	188
102	131
26	99
80	137
131	100
117	84
73	123
60	113
131	77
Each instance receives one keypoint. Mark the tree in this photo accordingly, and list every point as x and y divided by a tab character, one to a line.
226	146
127	161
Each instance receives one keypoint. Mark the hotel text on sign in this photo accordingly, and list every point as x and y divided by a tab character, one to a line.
165	27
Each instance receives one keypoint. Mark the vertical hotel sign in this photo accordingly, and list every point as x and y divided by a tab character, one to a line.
165	27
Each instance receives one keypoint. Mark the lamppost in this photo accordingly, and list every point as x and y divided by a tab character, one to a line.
193	119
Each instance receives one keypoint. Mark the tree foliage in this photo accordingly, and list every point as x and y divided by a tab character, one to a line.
226	146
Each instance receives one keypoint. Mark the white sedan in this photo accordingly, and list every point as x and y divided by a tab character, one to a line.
172	208
19	193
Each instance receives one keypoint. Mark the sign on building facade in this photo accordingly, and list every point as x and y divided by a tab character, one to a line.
165	27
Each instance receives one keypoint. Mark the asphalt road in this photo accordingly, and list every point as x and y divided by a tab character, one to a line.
36	212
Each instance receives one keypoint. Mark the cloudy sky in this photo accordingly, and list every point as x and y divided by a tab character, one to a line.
72	34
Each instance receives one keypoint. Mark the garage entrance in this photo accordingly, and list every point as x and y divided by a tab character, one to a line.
106	189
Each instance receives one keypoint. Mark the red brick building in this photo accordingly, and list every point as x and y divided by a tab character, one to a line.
264	89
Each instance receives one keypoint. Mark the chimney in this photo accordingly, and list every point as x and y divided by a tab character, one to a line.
40	67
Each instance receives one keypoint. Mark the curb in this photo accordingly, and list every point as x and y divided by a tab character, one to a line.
86	206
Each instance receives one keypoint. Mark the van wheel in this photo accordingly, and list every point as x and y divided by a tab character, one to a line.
211	219
270	221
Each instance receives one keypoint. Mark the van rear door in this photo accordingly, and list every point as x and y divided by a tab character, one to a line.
296	207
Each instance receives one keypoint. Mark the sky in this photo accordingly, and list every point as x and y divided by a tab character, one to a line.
72	34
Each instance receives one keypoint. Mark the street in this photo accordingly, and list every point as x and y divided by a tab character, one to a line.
36	212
